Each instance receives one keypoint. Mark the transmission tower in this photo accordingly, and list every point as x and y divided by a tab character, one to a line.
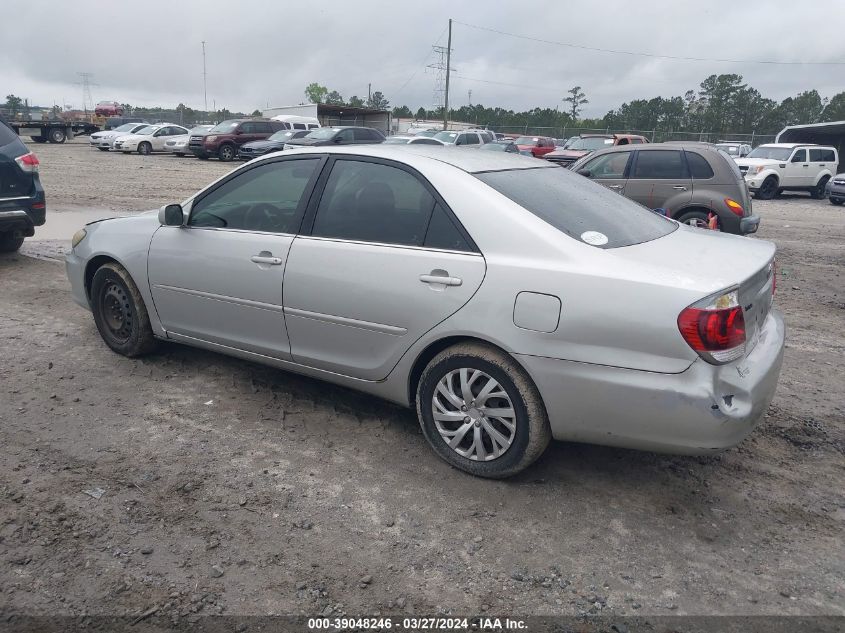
439	67
86	84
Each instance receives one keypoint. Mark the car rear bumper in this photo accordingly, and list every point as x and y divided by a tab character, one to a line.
749	224
25	213
704	409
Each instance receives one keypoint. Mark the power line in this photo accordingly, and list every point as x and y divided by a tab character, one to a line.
420	65
652	55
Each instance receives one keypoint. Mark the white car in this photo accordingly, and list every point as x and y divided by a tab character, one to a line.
103	140
149	139
735	150
179	144
775	167
412	140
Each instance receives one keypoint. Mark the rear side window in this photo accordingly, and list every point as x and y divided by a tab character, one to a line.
660	165
442	232
579	207
821	156
699	167
7	134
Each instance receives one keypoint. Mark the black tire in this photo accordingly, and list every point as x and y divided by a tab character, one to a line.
57	135
119	312
226	153
10	241
145	149
701	219
202	157
836	201
817	193
39	139
768	189
103	149
179	154
531	434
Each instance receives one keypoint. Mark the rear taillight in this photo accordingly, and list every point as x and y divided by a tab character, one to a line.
735	207
715	328
28	163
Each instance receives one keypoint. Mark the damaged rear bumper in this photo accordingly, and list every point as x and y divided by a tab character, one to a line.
704	409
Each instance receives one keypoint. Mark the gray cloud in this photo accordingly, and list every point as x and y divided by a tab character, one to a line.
266	52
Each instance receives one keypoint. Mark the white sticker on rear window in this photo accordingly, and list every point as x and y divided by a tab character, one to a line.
594	237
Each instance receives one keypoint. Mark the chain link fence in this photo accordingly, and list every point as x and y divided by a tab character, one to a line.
655	136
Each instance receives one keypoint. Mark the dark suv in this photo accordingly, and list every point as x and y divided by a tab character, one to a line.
698	184
338	136
225	139
22	205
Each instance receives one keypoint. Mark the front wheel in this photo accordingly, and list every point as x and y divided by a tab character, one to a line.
226	153
103	149
145	149
836	201
481	412
817	192
768	189
10	241
119	312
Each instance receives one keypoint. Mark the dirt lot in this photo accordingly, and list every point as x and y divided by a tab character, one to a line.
231	488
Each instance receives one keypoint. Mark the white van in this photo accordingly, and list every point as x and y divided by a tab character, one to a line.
295	122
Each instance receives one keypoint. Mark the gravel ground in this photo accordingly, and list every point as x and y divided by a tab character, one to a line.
189	483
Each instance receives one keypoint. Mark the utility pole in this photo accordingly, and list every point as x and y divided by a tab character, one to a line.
369	94
446	94
204	79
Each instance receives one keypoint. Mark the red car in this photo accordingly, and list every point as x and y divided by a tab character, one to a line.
537	145
108	108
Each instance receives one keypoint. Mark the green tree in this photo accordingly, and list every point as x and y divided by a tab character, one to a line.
421	114
256	112
403	112
187	116
377	101
576	99
835	109
355	102
315	93
13	104
335	98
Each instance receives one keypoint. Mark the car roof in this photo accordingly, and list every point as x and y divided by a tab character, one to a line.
418	155
787	145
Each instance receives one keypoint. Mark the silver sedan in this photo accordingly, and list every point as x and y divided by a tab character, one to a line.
508	300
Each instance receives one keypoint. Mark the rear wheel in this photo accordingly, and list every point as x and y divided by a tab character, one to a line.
768	189
481	412
57	135
698	219
145	149
39	139
119	312
817	193
10	241
836	201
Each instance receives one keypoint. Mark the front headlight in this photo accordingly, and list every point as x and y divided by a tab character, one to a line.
210	139
78	237
757	169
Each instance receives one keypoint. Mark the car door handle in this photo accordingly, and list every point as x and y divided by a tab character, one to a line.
264	259
614	186
679	187
441	279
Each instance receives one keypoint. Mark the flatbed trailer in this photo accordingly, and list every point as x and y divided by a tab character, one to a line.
54	131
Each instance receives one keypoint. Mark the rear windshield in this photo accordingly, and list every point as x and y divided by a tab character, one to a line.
579	207
527	140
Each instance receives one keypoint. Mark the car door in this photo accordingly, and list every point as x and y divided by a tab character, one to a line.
821	159
219	277
659	179
610	170
381	260
797	170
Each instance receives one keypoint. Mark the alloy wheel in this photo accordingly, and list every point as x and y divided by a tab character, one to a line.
474	414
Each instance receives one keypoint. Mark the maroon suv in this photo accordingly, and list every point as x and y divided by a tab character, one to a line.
225	139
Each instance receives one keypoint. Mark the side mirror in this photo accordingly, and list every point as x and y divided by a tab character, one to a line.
337	139
238	132
171	215
585	172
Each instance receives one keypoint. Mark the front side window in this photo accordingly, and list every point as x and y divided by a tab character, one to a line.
372	202
610	165
576	205
264	198
800	156
660	165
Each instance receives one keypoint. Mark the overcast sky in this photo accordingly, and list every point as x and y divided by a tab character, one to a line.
265	52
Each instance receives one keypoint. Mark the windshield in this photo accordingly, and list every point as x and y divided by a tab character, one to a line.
323	134
428	133
591	143
281	135
446	136
774	153
579	207
527	140
126	127
225	126
730	149
146	131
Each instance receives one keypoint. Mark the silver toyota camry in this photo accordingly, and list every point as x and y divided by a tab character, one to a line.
508	300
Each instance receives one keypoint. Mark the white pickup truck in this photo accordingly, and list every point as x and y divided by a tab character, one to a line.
775	167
